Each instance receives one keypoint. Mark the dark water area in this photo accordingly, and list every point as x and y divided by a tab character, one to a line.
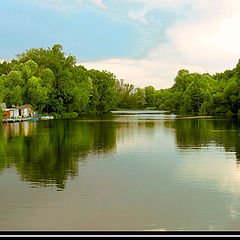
128	170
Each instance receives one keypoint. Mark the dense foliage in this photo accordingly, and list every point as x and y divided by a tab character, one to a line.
53	83
194	93
203	94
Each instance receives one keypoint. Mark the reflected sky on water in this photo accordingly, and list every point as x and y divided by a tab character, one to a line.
120	171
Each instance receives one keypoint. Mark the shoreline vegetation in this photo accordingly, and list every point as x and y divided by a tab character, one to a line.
55	85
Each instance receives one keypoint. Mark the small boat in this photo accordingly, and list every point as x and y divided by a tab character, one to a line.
172	116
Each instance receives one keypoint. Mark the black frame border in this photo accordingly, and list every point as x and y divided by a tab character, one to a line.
120	233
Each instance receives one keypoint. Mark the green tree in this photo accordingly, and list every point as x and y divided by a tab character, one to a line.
150	96
139	98
36	94
104	91
124	94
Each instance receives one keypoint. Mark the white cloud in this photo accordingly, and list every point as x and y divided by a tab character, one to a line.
142	73
206	41
210	40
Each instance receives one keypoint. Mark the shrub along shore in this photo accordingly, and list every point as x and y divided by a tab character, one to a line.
54	84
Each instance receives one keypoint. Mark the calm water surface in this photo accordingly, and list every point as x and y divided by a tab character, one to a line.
121	171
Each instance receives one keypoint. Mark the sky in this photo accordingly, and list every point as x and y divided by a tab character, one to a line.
144	42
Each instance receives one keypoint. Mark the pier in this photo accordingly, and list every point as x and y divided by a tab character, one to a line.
11	120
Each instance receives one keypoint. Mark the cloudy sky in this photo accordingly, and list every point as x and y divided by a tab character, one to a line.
144	42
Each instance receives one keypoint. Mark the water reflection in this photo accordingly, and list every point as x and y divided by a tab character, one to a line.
139	172
202	134
48	152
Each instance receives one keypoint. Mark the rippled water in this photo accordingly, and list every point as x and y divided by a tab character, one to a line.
130	170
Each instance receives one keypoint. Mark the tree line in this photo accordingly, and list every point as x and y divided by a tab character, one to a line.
53	83
191	93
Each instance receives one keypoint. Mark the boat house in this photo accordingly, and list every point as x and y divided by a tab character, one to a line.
9	112
20	113
25	111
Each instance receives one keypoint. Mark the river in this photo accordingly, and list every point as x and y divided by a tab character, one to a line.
127	170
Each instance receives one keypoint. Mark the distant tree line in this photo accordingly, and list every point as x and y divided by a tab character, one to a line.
192	93
53	83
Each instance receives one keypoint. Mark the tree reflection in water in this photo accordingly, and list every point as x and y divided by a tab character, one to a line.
46	153
205	133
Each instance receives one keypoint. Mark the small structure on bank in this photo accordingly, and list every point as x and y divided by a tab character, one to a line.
9	112
23	111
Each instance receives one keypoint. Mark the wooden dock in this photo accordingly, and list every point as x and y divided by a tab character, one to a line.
12	120
19	119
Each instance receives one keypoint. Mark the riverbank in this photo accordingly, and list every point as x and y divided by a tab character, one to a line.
10	120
